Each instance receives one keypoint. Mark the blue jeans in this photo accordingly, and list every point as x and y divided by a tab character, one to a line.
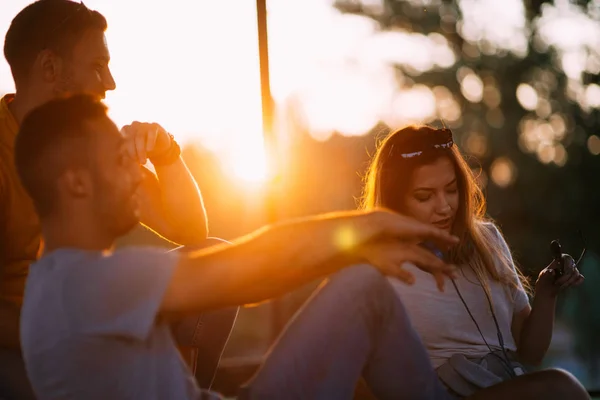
353	326
207	332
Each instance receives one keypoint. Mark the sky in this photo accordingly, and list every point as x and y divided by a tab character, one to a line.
193	67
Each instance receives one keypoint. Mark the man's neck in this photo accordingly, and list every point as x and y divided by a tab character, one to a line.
23	103
62	234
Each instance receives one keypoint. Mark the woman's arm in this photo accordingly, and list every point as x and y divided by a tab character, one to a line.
532	329
531	325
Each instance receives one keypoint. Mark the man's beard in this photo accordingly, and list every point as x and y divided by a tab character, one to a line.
67	86
117	217
119	222
64	86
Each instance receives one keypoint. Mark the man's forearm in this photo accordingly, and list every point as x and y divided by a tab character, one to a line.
182	202
269	263
537	331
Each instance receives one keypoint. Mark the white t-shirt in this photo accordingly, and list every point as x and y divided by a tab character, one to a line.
442	320
89	328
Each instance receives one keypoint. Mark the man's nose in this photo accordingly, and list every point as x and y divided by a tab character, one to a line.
109	81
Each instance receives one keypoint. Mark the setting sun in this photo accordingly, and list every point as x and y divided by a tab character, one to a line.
198	74
249	163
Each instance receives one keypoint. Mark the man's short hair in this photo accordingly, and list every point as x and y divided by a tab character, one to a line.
46	24
52	139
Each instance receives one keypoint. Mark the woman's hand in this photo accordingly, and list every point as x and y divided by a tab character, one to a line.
548	285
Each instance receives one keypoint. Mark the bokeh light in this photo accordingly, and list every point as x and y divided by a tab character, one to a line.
527	96
471	87
593	144
503	172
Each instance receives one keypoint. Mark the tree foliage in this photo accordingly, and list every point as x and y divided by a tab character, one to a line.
553	192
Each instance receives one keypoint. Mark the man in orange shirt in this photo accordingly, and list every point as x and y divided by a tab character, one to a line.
57	47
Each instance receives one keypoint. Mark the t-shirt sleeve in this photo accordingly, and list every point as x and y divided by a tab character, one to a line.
519	296
120	294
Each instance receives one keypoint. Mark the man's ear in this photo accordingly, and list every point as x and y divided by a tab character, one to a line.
77	183
50	65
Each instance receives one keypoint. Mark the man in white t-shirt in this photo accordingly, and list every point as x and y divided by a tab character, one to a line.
95	322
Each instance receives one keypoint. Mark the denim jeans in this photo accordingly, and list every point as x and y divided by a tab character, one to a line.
353	326
207	332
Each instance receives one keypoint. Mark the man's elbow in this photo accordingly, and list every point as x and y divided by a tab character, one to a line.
189	235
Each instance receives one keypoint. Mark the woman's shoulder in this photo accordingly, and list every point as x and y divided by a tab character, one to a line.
489	228
495	239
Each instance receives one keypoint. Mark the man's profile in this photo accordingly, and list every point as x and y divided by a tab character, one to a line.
55	48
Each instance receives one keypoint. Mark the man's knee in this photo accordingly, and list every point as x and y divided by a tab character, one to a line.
362	277
558	383
363	281
369	290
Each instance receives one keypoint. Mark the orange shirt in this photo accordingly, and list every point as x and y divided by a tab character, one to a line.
20	234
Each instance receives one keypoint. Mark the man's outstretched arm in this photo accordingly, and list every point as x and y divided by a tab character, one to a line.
276	259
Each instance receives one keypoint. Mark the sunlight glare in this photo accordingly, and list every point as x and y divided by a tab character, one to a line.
415	105
249	162
345	238
344	98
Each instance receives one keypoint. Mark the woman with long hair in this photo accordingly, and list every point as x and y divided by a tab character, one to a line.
480	331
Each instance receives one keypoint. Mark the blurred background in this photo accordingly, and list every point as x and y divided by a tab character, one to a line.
516	81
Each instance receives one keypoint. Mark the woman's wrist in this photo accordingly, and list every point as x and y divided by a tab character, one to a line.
544	298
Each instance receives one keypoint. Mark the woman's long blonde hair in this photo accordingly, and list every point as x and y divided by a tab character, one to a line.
387	181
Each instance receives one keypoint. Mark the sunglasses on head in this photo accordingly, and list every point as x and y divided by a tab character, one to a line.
431	140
